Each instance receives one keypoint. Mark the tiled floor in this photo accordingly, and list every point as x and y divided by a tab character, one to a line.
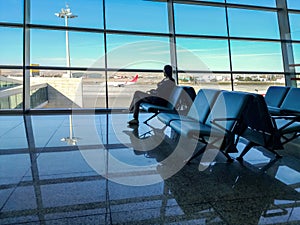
93	169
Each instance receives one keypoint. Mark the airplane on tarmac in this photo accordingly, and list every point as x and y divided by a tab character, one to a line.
123	83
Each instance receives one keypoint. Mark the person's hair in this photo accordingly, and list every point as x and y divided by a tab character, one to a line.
168	71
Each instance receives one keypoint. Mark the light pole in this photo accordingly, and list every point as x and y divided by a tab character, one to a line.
71	140
66	14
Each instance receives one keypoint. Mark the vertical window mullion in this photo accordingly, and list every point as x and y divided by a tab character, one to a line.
286	46
172	39
26	56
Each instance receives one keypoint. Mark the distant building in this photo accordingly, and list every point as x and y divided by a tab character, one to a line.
34	72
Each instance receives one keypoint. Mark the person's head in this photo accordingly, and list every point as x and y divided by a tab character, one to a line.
168	71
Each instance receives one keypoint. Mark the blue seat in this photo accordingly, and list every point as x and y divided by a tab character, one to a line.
272	132
288	122
221	124
291	102
180	99
198	111
274	97
260	129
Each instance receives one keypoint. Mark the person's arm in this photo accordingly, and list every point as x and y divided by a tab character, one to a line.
156	91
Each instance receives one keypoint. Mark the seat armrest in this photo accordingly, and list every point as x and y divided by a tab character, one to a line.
216	120
290	112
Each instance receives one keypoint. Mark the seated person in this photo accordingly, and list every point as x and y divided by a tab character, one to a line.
158	96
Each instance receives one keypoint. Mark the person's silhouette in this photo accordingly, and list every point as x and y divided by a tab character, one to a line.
158	96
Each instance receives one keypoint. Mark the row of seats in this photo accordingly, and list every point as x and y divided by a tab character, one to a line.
283	100
213	119
180	100
219	118
274	120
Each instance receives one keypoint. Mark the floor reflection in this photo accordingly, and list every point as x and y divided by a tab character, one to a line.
46	181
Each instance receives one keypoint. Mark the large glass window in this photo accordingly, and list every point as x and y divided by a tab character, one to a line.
256	56
66	42
253	23
200	20
137	15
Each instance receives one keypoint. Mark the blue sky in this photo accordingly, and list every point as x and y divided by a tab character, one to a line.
48	47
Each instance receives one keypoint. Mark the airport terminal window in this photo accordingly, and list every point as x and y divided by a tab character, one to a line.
202	54
199	20
256	56
137	52
138	40
11	11
88	13
140	15
11	46
253	23
86	49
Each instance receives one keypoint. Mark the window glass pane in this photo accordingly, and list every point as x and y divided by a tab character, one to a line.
268	3
11	46
296	51
55	89
253	23
201	20
11	89
121	93
11	11
293	4
89	12
257	83
256	56
205	80
86	49
202	54
13	136
137	15
137	52
294	26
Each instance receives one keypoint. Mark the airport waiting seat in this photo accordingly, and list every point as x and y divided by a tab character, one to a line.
261	129
291	102
274	97
220	126
272	132
180	100
288	122
198	111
